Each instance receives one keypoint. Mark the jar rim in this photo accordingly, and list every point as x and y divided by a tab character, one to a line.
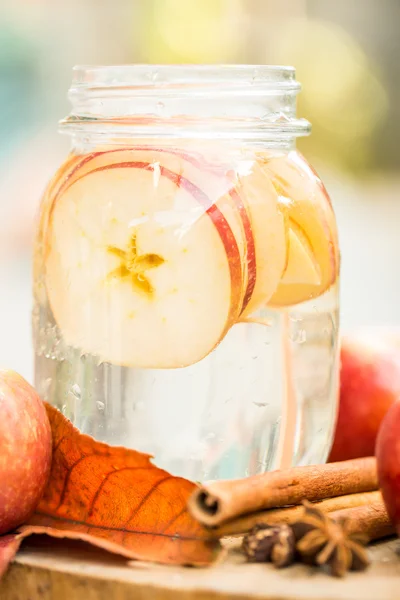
200	76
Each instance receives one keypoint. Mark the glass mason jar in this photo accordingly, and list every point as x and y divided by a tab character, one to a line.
186	271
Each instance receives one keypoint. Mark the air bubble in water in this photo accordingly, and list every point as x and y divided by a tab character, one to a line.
152	75
76	391
299	336
44	389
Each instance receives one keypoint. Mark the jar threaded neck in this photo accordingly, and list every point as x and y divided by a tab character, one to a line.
227	101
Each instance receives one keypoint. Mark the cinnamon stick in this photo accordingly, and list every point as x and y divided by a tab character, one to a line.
244	523
220	501
371	520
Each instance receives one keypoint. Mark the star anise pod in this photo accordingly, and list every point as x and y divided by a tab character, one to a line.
270	543
322	541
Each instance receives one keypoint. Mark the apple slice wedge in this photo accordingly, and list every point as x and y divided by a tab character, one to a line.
267	225
142	269
306	205
302	266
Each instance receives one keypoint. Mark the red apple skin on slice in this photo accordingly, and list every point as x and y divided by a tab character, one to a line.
306	203
196	289
249	262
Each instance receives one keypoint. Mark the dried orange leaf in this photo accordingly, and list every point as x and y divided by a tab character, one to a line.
117	499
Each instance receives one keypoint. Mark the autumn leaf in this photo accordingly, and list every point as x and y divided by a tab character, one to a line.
9	545
117	499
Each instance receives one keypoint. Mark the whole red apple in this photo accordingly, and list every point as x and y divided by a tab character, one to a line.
25	450
388	458
369	384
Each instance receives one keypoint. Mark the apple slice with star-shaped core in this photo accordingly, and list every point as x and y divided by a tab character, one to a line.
142	269
212	177
309	216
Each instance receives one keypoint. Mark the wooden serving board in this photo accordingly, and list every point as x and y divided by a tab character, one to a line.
74	571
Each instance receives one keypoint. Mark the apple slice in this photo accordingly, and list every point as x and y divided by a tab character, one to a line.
52	190
302	266
306	204
214	179
246	194
266	222
142	269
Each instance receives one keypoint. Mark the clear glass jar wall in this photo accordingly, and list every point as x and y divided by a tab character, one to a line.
186	272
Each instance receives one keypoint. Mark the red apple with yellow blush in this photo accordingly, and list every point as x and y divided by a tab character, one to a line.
25	450
369	385
388	460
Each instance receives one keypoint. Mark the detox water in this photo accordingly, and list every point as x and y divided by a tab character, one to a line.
266	396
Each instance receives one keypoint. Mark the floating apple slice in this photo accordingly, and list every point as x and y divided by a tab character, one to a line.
268	229
306	205
53	188
142	269
249	202
214	179
302	266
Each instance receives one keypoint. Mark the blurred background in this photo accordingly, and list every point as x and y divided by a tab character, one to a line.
346	53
